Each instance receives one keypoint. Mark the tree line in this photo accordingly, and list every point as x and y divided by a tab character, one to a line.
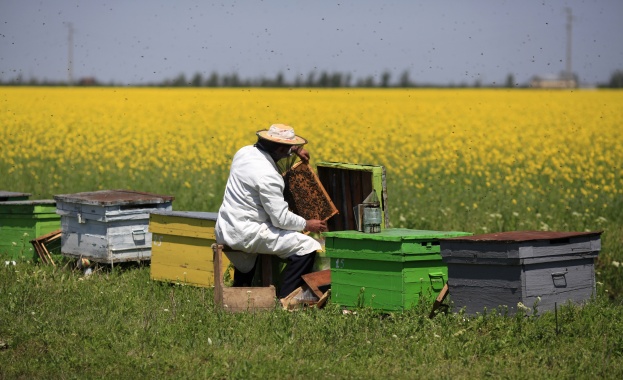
323	79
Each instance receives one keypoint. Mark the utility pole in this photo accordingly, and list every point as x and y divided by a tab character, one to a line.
569	26
70	53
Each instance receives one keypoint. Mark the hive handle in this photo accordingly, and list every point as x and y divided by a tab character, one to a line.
434	276
559	279
138	234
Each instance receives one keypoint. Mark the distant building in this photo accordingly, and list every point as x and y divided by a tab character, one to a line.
87	81
554	81
566	79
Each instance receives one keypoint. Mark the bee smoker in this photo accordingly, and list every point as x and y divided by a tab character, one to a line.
371	218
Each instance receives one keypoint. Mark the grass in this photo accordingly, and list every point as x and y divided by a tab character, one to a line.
117	323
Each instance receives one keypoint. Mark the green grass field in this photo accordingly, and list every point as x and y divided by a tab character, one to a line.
58	324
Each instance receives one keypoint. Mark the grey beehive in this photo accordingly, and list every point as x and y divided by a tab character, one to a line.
506	268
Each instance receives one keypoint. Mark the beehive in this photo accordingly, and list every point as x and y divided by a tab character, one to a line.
22	221
389	270
182	247
506	268
108	226
348	185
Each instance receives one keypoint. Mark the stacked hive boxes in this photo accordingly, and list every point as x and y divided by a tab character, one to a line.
389	270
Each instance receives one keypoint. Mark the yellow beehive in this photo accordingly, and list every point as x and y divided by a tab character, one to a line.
181	247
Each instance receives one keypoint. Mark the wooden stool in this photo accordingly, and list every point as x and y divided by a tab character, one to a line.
243	298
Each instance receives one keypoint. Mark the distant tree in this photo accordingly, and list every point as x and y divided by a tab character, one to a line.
616	80
231	80
19	79
510	81
385	77
180	81
404	80
336	80
366	82
324	79
213	80
347	80
197	80
279	80
311	78
298	81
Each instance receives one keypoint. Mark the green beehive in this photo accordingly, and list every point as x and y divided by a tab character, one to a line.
389	270
23	221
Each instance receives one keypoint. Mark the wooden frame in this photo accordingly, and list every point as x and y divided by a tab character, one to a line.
439	301
315	280
306	195
40	246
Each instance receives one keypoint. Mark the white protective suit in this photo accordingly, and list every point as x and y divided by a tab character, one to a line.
254	217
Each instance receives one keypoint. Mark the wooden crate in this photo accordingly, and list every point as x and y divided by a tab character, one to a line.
245	298
348	185
506	268
108	226
22	221
181	249
389	270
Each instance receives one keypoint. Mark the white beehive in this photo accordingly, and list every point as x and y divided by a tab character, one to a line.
108	226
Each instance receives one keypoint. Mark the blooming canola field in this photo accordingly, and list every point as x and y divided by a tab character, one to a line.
479	160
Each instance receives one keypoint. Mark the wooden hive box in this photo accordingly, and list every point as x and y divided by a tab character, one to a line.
503	269
23	221
348	185
389	270
108	226
182	247
13	196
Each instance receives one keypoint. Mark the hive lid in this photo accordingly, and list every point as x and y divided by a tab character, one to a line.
7	195
188	214
32	202
113	197
522	236
395	234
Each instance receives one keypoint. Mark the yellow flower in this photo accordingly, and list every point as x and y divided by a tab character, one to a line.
499	151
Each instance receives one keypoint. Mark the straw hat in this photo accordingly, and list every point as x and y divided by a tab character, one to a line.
282	134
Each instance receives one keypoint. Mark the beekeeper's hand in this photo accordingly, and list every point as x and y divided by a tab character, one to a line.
315	225
302	153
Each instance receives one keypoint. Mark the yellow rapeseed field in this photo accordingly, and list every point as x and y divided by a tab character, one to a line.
477	160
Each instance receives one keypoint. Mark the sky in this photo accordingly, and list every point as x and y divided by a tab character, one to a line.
445	42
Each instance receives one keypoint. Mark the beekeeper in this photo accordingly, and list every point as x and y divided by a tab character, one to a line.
254	217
